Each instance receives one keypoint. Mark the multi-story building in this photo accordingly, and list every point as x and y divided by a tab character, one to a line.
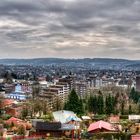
138	83
54	93
49	97
66	89
91	82
69	80
80	88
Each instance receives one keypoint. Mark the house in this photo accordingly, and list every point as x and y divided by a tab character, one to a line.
7	103
14	120
135	118
86	118
51	128
18	94
101	126
13	111
2	91
135	137
54	129
65	116
114	119
18	122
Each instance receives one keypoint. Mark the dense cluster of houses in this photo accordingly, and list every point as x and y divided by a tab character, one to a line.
64	123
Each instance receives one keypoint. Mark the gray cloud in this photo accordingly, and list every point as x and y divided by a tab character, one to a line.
70	28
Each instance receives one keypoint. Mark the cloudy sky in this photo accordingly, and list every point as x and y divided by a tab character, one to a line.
70	28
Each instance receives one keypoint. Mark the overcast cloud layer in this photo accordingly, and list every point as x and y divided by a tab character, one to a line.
70	28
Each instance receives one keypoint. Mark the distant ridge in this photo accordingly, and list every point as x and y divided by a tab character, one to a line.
91	62
43	61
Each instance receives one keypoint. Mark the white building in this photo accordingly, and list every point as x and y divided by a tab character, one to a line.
18	94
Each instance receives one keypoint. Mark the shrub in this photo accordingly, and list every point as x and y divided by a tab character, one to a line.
111	135
21	130
123	116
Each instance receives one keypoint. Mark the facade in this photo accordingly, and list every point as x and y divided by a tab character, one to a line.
18	94
81	88
49	97
138	83
69	80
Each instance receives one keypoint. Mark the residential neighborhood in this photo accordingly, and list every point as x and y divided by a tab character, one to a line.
70	107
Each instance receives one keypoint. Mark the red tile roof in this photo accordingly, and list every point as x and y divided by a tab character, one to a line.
101	125
135	137
114	119
7	102
14	120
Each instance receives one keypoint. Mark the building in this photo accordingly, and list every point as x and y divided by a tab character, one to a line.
91	82
53	129
102	126
18	94
69	80
80	88
99	83
50	98
138	83
66	89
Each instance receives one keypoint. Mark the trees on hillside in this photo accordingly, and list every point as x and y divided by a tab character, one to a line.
110	104
99	104
134	95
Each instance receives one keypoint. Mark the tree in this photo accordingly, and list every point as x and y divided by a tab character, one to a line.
100	104
58	105
122	108
139	108
21	130
35	89
7	78
74	104
134	95
95	104
81	107
38	107
130	109
45	107
1	105
24	113
110	104
90	104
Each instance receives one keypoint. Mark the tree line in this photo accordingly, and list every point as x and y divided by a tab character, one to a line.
104	104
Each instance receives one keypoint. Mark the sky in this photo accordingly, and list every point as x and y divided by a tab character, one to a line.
70	28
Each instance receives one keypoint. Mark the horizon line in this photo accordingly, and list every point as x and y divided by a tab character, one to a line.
73	58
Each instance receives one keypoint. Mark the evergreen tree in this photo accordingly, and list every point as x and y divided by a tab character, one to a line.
95	104
134	95
90	104
110	104
100	104
81	107
74	103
